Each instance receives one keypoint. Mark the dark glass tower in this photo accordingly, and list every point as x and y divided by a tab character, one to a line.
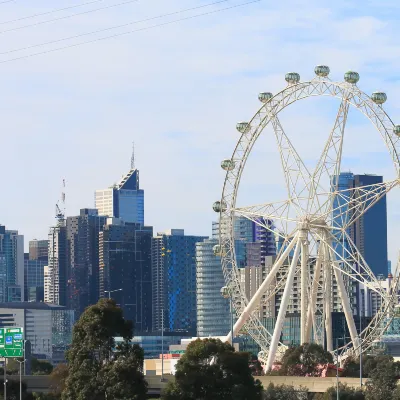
369	232
125	263
83	259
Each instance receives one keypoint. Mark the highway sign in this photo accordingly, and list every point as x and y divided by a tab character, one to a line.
11	342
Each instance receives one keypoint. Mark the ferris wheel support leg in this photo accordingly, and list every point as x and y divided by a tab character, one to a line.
346	305
304	285
283	307
255	300
328	298
313	298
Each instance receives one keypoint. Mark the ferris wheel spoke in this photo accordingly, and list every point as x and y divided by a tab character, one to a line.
329	163
297	176
271	216
351	204
283	307
344	297
255	300
353	266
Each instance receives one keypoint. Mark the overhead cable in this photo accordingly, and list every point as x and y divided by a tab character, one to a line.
129	32
113	27
68	16
47	12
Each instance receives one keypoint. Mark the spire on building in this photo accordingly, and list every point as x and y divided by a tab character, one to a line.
133	156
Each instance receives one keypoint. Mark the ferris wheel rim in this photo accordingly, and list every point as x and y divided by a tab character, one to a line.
234	178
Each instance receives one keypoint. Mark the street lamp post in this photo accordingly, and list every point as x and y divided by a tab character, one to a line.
162	345
112	291
337	369
20	376
5	378
361	382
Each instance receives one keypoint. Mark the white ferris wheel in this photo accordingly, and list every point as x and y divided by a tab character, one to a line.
317	254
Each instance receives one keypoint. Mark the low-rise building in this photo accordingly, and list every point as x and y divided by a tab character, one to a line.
48	327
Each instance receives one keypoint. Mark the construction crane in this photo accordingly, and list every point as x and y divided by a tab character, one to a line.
60	210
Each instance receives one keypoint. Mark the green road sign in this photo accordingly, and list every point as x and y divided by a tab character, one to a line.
11	342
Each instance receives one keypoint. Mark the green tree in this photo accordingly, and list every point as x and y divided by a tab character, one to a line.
40	367
284	392
352	365
345	393
303	360
92	361
211	369
382	382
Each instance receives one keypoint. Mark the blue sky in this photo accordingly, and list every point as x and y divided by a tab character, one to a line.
178	91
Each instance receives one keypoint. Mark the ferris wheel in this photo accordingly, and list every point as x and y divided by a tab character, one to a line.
317	257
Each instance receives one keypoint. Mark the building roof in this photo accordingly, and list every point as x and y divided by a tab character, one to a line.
130	181
32	306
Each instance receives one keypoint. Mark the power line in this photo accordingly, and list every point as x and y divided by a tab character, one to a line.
7	1
68	16
47	12
129	32
113	27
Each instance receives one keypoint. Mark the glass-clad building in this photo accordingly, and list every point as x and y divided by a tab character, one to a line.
125	263
124	200
369	232
174	281
11	265
212	309
34	279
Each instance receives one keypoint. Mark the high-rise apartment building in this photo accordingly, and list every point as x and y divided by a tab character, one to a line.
213	317
83	259
11	265
55	291
39	250
174	281
125	269
124	200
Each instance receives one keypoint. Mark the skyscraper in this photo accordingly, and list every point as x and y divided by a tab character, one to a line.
11	265
125	263
369	232
34	279
212	309
56	271
124	200
39	250
83	259
174	281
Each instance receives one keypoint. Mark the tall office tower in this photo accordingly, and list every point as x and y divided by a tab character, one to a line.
39	250
213	317
125	263
174	281
369	232
124	200
56	289
34	279
11	265
83	259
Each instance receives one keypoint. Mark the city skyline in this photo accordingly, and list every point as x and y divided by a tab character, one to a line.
76	129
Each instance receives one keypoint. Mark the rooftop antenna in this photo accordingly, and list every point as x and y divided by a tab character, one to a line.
133	156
